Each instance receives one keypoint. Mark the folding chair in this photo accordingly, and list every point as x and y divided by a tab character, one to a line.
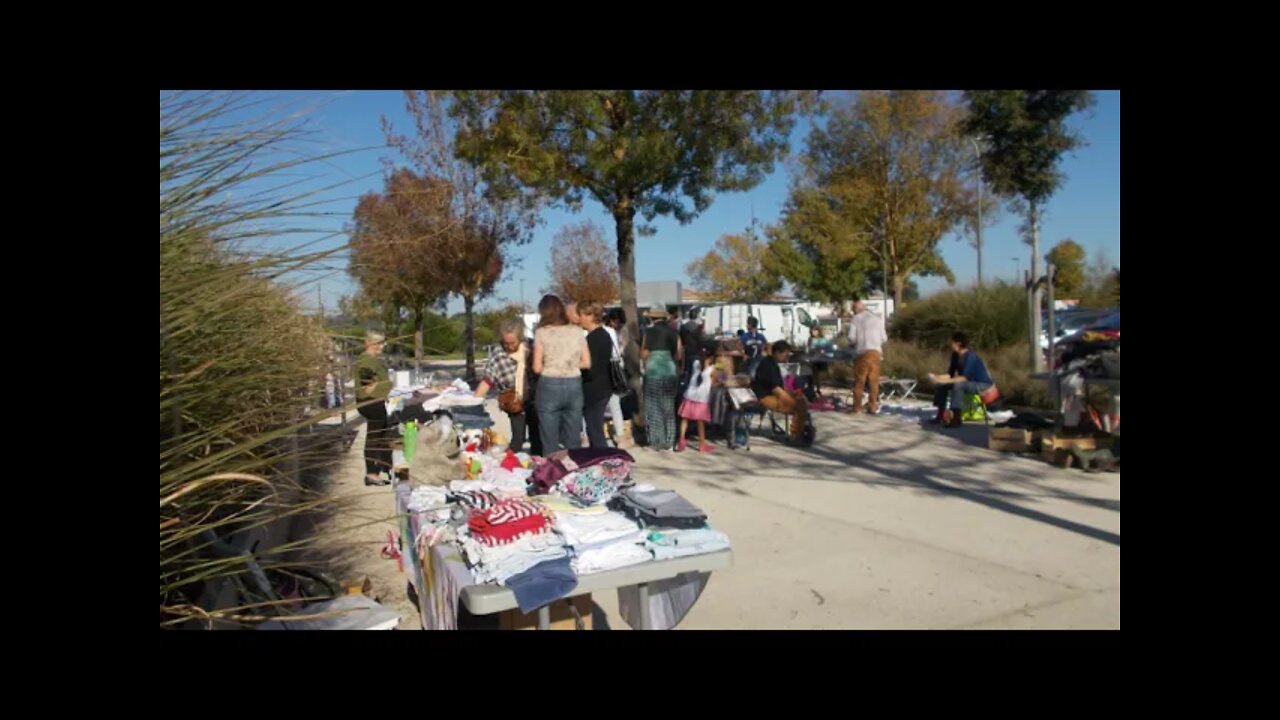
897	387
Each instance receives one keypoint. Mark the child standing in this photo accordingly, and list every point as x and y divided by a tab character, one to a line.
697	399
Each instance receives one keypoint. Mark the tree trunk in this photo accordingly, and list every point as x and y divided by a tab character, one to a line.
1037	358
419	320
899	286
469	336
1051	330
624	218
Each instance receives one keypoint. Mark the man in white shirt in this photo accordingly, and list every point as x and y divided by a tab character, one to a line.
866	339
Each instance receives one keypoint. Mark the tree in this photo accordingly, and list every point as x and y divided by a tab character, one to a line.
1068	259
483	219
1025	134
735	270
881	186
875	282
395	238
582	266
819	252
1102	287
473	261
653	152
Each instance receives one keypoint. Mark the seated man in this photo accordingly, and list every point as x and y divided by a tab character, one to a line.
942	393
972	380
768	387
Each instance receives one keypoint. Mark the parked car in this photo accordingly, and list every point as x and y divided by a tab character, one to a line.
1103	334
1068	322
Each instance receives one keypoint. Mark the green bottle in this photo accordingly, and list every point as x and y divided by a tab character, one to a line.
410	439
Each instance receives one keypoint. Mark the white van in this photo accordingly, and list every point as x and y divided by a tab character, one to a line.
778	321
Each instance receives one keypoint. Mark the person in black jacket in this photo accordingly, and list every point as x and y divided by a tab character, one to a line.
691	336
597	387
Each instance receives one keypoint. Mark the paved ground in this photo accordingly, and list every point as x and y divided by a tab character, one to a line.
885	524
882	524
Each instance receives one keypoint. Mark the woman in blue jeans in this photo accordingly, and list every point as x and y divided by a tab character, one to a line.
560	355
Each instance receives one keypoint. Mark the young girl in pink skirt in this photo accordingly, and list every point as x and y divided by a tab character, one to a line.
697	400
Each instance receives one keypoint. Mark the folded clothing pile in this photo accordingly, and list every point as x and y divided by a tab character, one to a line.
473	499
678	543
508	539
549	472
660	508
602	541
472	417
558	506
507	521
427	496
502	484
596	484
496	563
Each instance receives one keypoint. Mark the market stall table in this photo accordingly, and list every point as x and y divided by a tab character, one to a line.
1111	384
443	575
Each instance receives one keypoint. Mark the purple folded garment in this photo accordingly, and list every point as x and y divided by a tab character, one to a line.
586	457
546	473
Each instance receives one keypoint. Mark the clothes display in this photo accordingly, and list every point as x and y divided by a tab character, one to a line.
535	525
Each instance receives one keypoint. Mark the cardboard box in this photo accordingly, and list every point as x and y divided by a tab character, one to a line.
562	616
1056	447
1011	440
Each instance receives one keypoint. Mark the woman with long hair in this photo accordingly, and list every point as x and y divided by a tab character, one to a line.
560	355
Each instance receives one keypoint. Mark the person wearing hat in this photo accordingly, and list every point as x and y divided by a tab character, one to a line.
662	354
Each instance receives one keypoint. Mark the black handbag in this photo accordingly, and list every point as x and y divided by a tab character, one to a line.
618	377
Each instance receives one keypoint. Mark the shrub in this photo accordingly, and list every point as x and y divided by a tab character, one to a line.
993	317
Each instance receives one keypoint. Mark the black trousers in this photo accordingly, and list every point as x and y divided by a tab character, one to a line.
593	416
377	441
941	394
526	425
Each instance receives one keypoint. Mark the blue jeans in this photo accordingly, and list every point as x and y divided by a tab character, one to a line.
961	391
559	402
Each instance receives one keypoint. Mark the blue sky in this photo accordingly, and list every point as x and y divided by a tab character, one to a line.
1086	208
